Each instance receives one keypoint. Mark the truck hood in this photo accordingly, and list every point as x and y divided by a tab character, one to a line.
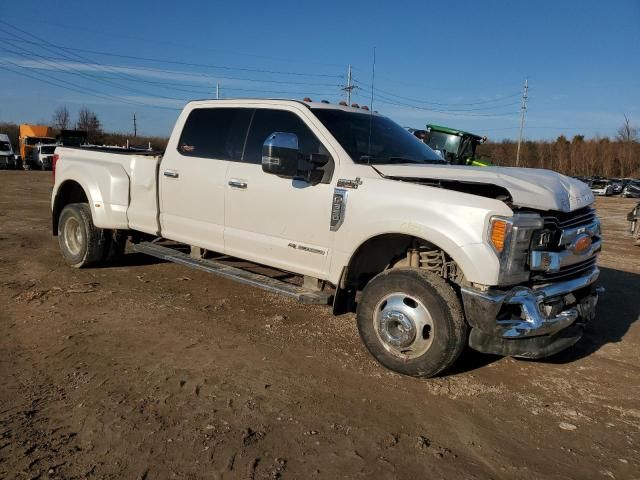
528	187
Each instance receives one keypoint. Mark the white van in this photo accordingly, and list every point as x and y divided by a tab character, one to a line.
7	158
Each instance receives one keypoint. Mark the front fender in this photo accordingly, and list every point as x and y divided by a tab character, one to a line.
453	221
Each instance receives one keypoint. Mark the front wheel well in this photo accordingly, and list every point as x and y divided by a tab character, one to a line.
387	251
69	192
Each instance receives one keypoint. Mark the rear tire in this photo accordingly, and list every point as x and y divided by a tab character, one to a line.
412	322
81	242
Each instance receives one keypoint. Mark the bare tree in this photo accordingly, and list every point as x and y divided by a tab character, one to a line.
61	118
628	135
88	122
627	132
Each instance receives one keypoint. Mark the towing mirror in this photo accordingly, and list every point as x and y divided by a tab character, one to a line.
280	154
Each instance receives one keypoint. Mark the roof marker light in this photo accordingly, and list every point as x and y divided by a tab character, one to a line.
324	101
355	105
343	103
307	99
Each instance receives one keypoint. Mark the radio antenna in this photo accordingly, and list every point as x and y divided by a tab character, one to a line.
373	79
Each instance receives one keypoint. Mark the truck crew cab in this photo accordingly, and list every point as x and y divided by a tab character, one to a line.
432	257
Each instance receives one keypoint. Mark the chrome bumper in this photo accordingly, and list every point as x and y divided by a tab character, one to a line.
524	312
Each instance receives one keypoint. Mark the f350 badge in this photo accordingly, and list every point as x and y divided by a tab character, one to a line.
338	205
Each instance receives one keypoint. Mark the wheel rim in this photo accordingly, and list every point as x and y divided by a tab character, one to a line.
72	234
403	325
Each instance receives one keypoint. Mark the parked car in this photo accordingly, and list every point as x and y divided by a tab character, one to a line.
601	187
430	256
617	185
7	157
632	189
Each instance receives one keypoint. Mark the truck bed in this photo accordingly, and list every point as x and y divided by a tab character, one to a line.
123	184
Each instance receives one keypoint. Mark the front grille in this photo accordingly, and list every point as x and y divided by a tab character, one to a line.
555	223
562	220
566	273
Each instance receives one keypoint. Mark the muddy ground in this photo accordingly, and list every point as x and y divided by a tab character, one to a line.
152	370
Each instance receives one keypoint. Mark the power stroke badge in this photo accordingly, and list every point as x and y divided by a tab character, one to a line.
338	206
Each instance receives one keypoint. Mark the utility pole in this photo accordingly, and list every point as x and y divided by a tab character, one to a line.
217	90
135	126
523	109
350	86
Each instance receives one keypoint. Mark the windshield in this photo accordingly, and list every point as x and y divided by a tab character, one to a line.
48	150
444	141
5	146
373	139
36	140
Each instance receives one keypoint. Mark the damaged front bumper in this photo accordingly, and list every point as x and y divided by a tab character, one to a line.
531	322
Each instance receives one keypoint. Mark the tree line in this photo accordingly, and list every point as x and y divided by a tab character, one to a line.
617	157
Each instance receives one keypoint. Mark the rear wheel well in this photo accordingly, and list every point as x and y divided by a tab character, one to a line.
69	192
387	251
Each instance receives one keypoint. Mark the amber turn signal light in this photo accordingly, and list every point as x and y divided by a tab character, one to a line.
499	230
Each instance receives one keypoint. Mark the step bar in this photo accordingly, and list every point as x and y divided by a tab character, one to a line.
301	294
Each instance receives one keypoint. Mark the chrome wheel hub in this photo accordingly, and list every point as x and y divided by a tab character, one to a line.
72	234
403	325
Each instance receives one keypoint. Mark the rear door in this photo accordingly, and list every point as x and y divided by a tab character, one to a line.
192	177
276	221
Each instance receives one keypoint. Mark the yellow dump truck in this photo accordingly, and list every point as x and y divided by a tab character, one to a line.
32	139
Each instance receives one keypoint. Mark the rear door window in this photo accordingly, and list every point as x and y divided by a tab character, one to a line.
217	133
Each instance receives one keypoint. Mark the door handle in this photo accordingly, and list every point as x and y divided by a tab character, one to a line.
171	174
237	183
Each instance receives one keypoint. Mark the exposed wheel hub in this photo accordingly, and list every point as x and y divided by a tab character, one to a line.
397	329
403	325
72	234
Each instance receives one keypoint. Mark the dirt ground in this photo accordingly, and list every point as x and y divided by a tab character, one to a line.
152	370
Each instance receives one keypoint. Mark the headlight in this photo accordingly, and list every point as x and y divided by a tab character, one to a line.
511	240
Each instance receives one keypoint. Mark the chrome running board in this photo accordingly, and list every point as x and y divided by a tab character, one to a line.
301	294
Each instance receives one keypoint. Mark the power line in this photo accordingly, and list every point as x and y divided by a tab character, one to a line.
75	71
469	112
196	88
155	41
176	62
49	48
78	88
188	74
81	74
452	104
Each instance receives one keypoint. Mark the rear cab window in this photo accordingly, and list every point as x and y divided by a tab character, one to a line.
217	133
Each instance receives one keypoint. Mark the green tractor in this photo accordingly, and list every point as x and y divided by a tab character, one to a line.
456	146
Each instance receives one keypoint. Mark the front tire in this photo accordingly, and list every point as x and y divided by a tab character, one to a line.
411	321
81	242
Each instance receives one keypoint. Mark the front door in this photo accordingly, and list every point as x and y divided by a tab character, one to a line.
276	221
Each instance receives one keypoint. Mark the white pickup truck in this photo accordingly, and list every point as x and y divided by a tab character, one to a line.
432	257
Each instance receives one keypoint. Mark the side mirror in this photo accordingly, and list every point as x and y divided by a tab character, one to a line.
280	154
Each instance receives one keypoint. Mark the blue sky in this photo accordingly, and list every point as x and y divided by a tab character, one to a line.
460	64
